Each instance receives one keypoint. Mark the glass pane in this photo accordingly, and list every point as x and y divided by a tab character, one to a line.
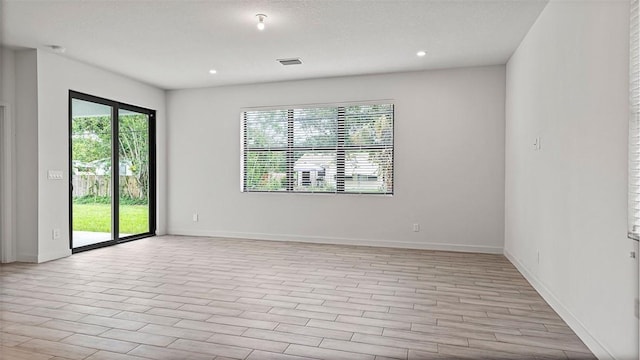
367	125
266	171
266	129
91	172
133	150
369	171
315	128
314	171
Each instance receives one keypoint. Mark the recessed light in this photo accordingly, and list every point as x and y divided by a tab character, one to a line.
213	71
421	53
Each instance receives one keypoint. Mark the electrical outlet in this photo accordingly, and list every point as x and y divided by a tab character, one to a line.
416	227
55	234
195	216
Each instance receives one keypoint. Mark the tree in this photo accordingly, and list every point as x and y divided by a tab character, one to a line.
91	145
91	149
133	136
265	170
91	138
372	126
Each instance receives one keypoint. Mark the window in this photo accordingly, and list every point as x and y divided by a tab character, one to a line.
328	149
634	126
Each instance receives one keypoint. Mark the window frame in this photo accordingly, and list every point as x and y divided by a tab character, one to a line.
341	149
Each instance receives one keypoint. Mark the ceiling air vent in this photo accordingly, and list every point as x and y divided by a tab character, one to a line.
293	61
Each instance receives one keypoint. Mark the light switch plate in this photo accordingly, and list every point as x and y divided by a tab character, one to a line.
55	175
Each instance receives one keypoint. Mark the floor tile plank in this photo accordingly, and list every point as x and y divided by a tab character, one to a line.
180	297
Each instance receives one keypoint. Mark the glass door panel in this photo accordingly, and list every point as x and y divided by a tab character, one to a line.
134	173
91	173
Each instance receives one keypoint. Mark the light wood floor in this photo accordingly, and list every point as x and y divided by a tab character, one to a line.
199	298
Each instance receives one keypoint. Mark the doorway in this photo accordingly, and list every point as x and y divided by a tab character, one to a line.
112	167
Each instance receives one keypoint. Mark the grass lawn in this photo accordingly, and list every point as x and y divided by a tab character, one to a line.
134	219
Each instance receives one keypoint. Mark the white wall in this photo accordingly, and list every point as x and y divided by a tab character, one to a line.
568	84
7	155
26	146
449	164
7	75
56	75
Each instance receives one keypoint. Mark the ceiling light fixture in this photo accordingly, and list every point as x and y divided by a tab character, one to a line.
421	53
213	71
261	18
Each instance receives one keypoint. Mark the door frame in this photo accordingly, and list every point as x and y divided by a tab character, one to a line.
115	169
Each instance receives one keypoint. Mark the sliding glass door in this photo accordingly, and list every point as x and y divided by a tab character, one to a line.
91	139
112	167
135	172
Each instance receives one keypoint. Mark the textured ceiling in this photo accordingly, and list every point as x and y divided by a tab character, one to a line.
173	44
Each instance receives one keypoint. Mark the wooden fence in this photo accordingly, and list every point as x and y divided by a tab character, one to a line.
100	185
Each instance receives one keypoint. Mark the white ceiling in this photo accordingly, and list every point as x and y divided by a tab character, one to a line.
173	44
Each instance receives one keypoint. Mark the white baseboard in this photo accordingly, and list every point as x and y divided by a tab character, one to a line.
54	255
341	241
599	350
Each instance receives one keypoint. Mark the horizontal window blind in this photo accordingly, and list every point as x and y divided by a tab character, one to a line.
634	125
325	149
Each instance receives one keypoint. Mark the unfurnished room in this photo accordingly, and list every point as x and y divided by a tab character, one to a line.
280	179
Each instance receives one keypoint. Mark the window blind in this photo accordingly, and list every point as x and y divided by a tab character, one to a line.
634	124
324	149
